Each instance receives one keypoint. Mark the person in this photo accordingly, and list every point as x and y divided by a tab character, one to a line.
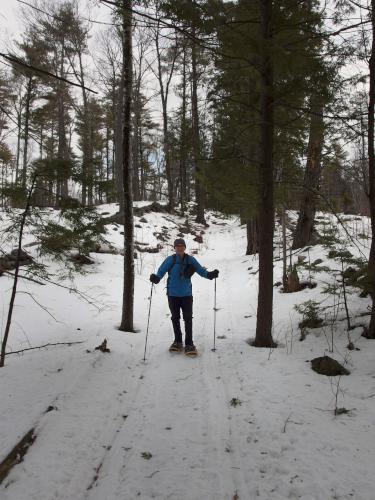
180	268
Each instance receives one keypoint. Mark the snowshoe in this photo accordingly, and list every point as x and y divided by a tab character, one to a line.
176	347
191	350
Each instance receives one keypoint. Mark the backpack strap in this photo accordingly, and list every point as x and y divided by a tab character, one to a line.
190	269
170	269
173	263
175	260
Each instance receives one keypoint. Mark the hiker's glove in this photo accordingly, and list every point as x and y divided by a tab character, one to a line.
212	274
154	279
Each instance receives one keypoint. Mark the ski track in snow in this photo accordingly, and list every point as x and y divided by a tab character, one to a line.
111	408
186	396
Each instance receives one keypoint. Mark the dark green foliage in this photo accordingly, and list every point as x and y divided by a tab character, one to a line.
6	155
363	236
354	270
359	277
310	314
344	255
235	99
49	172
78	229
314	267
15	195
329	236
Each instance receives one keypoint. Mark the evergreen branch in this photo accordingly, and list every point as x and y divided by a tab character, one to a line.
185	32
15	60
24	277
54	16
308	111
327	34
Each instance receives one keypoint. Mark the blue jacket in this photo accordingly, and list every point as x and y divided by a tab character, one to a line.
178	285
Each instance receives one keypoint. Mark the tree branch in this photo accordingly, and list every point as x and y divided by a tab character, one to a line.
45	345
15	60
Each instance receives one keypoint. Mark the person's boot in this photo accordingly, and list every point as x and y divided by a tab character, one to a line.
176	347
191	350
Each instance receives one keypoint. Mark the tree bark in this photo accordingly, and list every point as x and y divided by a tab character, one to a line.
183	176
283	225
304	232
263	337
252	230
135	145
18	153
371	167
142	160
26	137
108	196
127	75
164	91
199	193
87	143
118	138
62	180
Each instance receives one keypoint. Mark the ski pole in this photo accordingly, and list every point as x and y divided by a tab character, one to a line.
214	348
148	321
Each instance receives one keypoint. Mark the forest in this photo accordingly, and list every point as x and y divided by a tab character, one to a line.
241	131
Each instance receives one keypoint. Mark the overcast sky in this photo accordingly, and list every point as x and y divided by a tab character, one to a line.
9	21
12	24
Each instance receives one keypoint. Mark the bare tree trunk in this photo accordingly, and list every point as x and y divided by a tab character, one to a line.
26	138
127	69
135	142
119	146
252	230
16	273
108	197
18	153
62	181
167	158
141	167
61	146
87	146
183	137
263	337
283	226
164	91
364	166
303	233
371	167
199	193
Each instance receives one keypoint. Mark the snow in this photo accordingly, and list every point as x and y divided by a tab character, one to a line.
281	441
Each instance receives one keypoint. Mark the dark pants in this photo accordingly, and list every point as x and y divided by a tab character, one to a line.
186	305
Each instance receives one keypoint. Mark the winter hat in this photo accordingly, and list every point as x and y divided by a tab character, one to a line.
179	241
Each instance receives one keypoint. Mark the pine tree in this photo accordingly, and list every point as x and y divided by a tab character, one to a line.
127	72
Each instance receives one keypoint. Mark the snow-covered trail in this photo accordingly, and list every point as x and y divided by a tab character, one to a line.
173	407
181	416
165	429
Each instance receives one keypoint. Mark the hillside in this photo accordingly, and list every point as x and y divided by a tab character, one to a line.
238	423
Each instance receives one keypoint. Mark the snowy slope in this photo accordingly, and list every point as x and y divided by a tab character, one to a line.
280	441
